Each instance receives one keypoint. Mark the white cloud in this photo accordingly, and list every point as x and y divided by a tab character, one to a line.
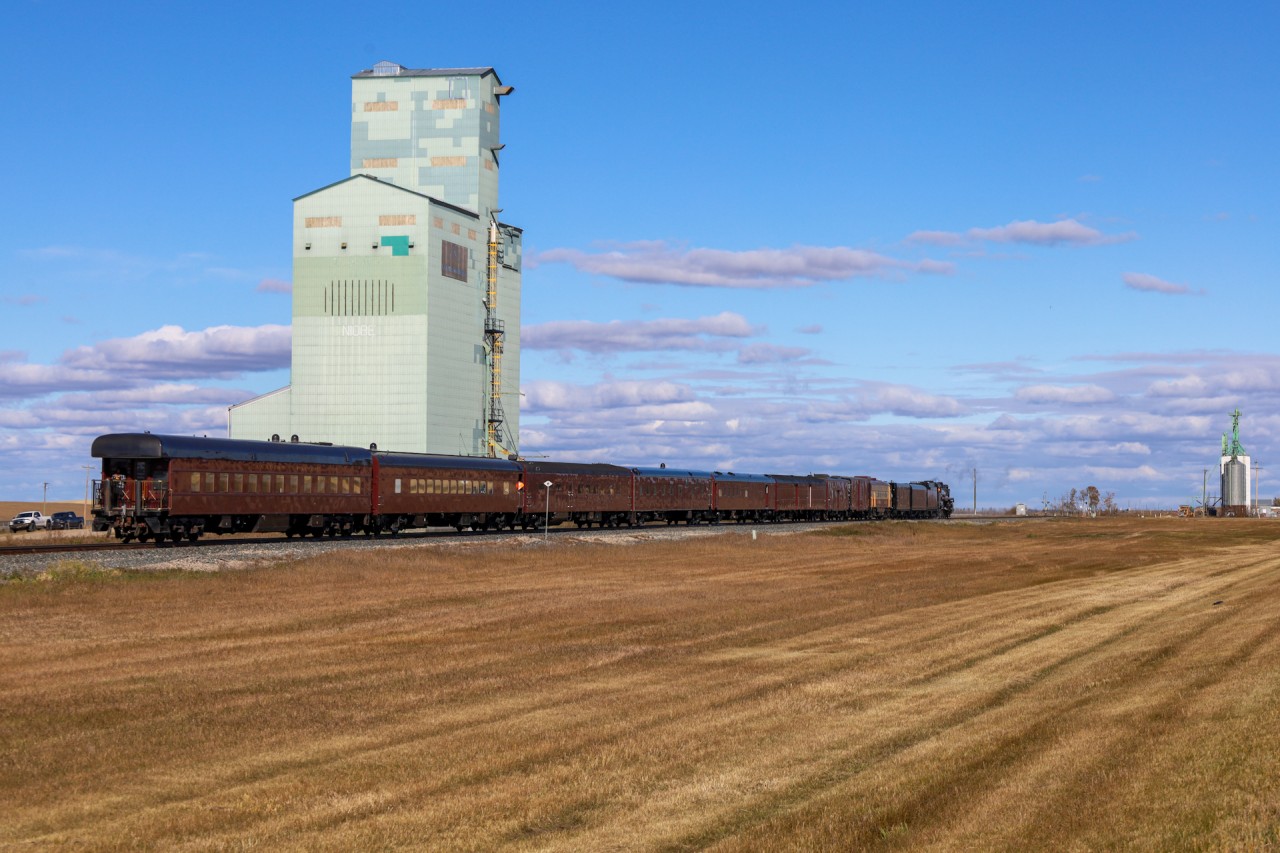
1142	472
769	354
1151	284
149	395
904	401
1136	448
20	380
936	238
639	335
543	395
171	351
1058	394
1064	232
274	285
656	262
1223	377
1185	386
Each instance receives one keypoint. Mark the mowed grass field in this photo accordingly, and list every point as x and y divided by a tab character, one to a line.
1040	684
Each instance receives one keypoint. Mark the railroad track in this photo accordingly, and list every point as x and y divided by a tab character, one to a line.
221	542
19	550
178	547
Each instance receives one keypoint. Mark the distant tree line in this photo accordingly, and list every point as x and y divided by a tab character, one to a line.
1086	501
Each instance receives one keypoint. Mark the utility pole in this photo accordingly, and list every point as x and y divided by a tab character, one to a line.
44	506
87	471
1257	491
546	524
975	491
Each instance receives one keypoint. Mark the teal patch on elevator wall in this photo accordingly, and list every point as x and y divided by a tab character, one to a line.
399	245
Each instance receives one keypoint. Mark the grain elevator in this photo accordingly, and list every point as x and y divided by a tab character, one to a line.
406	284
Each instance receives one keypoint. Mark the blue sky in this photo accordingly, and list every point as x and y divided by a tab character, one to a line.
906	239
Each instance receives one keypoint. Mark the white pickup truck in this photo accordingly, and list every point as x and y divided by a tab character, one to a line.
32	520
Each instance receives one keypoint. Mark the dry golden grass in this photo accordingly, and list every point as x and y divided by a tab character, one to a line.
1047	684
8	509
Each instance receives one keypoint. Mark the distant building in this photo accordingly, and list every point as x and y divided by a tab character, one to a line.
390	274
1235	470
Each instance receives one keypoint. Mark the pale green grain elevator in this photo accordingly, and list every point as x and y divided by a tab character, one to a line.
397	309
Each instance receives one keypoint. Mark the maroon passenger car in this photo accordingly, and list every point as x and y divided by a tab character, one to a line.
674	495
581	493
426	490
175	487
742	497
799	498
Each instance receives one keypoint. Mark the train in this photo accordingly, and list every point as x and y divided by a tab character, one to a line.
170	488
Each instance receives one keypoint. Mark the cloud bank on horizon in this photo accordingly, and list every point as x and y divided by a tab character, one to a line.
722	396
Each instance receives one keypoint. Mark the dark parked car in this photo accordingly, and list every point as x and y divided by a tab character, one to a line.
67	521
